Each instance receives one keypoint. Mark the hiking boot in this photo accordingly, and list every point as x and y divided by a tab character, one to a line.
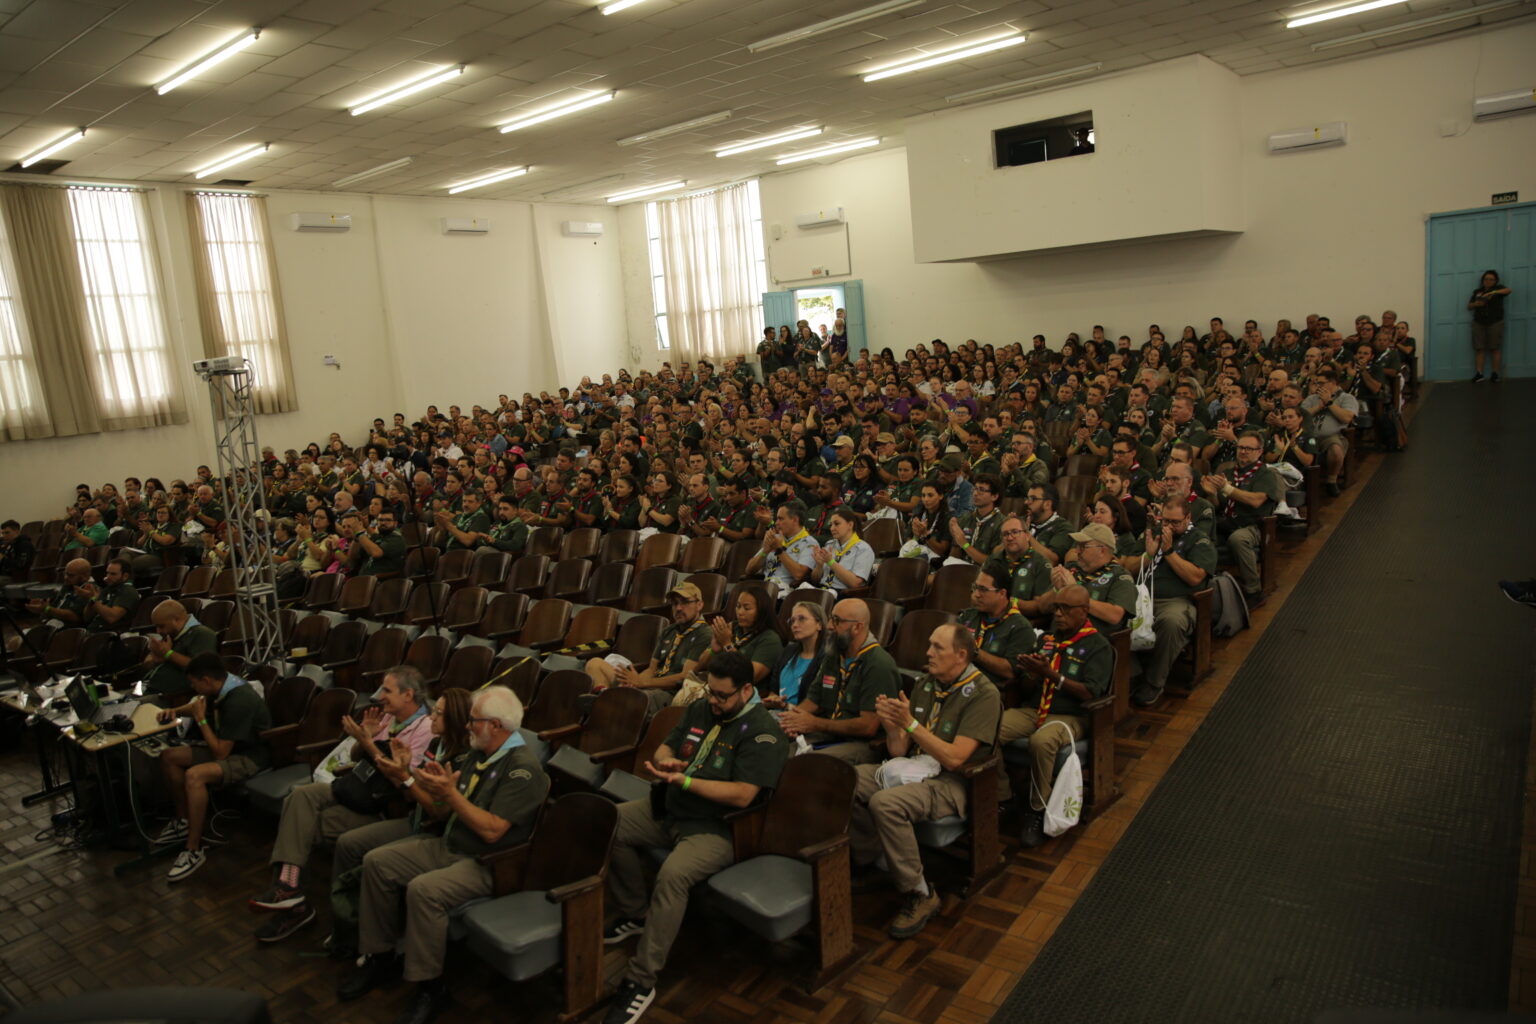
280	926
916	910
1033	833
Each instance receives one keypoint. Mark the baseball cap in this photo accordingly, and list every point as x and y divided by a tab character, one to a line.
687	591
1098	533
951	464
885	438
842	440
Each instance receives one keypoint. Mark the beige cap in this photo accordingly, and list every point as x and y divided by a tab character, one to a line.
1097	533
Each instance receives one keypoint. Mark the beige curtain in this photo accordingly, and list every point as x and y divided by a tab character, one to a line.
56	400
709	261
239	303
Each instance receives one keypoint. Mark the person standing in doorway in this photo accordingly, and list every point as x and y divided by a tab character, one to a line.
1487	306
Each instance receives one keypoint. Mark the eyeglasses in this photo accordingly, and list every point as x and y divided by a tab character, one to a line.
979	589
837	620
1249	448
475	718
721	698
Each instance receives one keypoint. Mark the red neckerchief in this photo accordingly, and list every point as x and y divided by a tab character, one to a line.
1238	478
1053	649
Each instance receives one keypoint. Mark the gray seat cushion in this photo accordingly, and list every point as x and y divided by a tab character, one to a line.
940	832
561	662
517	651
577	765
537	747
621	786
1017	753
771	895
269	789
517	934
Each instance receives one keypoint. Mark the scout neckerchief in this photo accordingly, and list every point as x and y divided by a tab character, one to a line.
670	645
940	696
821	520
515	740
500	530
844	670
708	745
701	510
837	556
547	506
1053	649
797	538
1240	477
1035	529
985	628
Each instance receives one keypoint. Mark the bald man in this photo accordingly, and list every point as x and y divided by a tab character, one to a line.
73	597
179	638
837	716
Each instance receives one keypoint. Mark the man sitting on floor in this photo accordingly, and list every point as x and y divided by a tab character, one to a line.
949	721
724	751
228	718
312	813
837	716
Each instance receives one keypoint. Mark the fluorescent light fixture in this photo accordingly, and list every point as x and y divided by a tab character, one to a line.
1025	83
833	24
489	179
620	5
960	51
568	107
673	129
649	190
1341	12
792	135
400	92
381	169
53	147
814	154
1409	26
203	63
255	149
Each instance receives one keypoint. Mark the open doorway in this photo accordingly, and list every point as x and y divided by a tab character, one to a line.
819	307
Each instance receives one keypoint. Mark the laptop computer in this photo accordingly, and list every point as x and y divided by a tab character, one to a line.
87	705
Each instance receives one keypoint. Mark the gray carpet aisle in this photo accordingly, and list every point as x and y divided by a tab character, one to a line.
1344	830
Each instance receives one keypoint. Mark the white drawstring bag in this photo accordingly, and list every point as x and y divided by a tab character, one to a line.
1065	806
1143	636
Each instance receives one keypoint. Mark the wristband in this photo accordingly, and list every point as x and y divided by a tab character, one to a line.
687	783
202	721
410	780
911	726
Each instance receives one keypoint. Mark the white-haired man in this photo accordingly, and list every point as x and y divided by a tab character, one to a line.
491	805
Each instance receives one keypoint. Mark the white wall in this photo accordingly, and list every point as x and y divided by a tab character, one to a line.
1338	231
583	291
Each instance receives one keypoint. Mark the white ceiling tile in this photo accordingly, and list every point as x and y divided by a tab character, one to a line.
55	20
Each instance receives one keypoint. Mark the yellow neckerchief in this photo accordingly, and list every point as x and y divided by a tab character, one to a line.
797	538
940	696
854	539
709	741
1032	458
983	627
1053	649
664	655
978	460
845	668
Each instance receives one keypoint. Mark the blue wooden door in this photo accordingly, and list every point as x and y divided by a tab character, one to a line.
1460	247
853	304
779	309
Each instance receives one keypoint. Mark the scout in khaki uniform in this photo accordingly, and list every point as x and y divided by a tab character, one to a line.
510	534
1029	574
1111	588
1075	665
726	749
180	639
469	527
999	629
492	804
951	719
837	716
678	650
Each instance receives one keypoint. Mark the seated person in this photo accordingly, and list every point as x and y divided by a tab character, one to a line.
1244	493
979	533
1075	664
678	650
837	714
89	532
509	533
1179	481
1000	631
752	633
16	553
312	814
382	552
180	639
1111	587
788	555
949	721
798	669
709	771
228	718
1050	533
1029	574
110	607
491	805
1183	559
1331	410
470	527
847	562
69	604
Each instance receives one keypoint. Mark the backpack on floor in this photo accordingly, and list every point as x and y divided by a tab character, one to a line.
1229	612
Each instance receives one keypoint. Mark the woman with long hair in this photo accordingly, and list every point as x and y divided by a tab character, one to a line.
750	630
797	669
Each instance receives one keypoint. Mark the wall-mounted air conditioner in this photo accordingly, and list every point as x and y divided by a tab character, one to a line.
466	225
1486	108
581	228
321	221
821	218
1334	133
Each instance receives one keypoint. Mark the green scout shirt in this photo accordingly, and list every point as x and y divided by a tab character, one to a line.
1265	481
749	747
240	715
510	537
983	532
1055	534
1006	637
761	649
194	639
679	645
1035	473
1090	661
1029	577
533	501
1113	584
121	596
1192	546
738	517
469	522
69	601
667	506
391	557
848	687
970	707
1129	545
510	784
94	536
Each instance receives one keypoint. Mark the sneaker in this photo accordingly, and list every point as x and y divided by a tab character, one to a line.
371	973
175	831
916	910
1520	592
278	897
622	929
280	926
629	1002
187	861
1146	697
1033	833
1477	378
1332	488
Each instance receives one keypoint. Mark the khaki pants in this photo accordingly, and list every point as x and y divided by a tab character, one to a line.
1244	544
1018	723
1173	620
435	881
855	752
310	816
692	860
883	819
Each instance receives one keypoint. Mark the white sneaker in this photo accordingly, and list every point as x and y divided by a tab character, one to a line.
187	861
175	831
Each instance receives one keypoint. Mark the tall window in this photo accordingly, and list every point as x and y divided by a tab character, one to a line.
658	277
241	308
127	334
21	399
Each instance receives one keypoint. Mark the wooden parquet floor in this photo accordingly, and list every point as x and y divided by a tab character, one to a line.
68	925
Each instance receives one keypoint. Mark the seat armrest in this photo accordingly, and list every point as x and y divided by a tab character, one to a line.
331	666
970	771
507	868
1105	701
825	848
278	732
570	890
561	733
313	752
612	754
746	828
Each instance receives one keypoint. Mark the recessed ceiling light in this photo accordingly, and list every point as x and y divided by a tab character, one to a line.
53	147
768	140
1340	12
620	5
216	56
568	107
1025	83
841	147
649	190
489	179
255	149
381	169
945	55
673	129
436	76
1417	23
832	24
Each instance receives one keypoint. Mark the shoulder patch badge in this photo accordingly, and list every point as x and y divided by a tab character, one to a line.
967	689
520	773
766	737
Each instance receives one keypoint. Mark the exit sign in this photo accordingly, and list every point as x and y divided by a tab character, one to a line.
1500	198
